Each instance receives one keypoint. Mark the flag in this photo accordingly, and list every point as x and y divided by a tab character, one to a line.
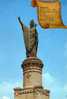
49	13
34	3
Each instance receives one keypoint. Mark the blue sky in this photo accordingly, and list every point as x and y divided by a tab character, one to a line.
52	49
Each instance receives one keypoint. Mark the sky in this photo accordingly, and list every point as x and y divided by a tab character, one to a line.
52	49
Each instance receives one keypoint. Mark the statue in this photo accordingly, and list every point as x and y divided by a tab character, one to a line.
30	35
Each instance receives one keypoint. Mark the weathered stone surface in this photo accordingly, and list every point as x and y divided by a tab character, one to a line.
32	81
32	72
31	93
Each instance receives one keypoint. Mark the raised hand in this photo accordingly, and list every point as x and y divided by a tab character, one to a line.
21	23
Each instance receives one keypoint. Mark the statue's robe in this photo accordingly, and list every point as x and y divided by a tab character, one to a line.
49	13
30	41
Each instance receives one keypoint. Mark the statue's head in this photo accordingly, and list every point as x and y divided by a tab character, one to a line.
32	24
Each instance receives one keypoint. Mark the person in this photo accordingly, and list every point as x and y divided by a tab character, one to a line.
30	35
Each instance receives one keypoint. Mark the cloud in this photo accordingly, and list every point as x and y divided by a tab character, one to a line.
6	89
65	88
64	92
54	85
5	97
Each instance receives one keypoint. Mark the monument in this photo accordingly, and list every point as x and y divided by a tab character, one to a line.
32	67
49	16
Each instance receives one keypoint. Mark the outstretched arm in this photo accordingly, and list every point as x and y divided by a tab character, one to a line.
21	23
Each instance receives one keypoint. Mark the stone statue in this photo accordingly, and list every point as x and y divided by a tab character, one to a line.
30	35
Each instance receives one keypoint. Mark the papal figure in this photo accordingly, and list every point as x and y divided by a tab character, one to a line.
30	38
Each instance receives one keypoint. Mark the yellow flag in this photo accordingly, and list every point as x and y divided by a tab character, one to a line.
49	13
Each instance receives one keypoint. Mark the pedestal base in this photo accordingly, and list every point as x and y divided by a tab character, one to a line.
32	72
31	93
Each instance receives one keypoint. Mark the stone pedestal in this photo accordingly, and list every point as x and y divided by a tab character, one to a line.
32	72
32	81
31	93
